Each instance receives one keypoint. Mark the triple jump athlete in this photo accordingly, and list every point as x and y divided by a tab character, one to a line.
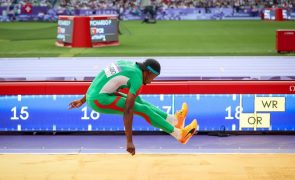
103	96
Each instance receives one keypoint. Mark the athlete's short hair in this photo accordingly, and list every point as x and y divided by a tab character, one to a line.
150	65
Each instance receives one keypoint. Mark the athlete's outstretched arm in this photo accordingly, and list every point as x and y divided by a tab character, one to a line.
128	119
77	103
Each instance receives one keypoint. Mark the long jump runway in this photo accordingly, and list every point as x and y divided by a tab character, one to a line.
158	157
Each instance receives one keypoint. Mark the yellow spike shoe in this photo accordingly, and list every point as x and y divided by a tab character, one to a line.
188	131
181	115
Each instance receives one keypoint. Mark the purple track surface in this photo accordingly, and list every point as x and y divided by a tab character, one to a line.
145	144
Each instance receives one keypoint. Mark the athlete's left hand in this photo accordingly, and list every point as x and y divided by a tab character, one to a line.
76	104
130	148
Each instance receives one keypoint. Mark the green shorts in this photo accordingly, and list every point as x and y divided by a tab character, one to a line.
115	103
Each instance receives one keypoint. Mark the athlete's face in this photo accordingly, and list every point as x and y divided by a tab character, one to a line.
149	77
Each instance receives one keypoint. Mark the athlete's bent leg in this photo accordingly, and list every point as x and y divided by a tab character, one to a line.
114	104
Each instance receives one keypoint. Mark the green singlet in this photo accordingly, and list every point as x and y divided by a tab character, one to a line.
103	96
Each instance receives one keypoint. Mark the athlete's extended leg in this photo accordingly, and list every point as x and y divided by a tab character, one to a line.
177	120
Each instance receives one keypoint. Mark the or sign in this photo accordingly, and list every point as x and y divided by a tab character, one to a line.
251	120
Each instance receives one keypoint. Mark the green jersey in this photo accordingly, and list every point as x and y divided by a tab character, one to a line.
122	74
101	95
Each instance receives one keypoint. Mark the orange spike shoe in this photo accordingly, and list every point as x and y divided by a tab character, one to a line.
181	115
188	132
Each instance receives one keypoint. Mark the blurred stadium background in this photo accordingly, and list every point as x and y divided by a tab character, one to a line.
227	27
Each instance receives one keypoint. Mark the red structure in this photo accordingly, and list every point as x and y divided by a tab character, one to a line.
285	41
81	32
157	87
87	31
275	14
279	14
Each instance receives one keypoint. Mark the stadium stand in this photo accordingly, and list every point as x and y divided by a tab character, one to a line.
48	10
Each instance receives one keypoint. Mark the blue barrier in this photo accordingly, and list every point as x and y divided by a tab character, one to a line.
213	111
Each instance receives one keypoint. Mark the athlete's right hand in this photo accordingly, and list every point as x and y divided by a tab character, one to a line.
130	148
76	104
